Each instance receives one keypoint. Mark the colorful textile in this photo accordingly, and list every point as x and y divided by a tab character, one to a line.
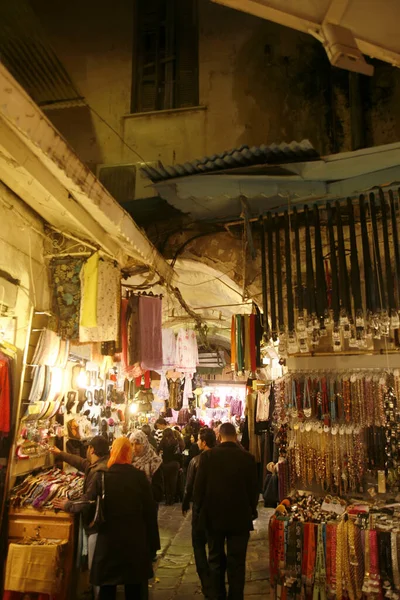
187	356
5	396
253	358
168	349
132	319
239	343
247	354
108	304
150	322
66	296
233	344
124	332
89	301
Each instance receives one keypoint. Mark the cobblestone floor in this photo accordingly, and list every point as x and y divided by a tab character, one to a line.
175	571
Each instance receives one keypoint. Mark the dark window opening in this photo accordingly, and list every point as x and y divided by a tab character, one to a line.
165	65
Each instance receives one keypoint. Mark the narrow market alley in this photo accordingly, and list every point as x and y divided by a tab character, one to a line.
175	571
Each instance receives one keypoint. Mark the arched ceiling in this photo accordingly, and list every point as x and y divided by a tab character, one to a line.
209	292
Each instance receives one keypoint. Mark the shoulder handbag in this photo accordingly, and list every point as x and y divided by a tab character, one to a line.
99	516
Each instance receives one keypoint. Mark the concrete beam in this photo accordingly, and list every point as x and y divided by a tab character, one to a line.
71	181
261	9
43	192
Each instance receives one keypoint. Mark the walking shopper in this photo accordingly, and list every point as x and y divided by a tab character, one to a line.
147	430
147	460
96	460
128	537
225	499
206	441
172	459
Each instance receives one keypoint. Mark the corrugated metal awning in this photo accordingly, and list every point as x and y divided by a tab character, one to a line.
244	156
28	55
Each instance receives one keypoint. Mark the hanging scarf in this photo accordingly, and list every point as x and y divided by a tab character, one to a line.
148	461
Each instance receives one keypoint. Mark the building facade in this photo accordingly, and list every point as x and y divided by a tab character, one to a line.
251	82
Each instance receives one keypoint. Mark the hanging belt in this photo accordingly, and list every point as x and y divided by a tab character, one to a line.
281	318
388	266
369	276
299	283
289	282
344	284
309	266
395	241
264	282
334	271
322	298
271	274
377	254
355	268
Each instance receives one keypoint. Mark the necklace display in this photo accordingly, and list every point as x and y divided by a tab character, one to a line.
321	548
336	428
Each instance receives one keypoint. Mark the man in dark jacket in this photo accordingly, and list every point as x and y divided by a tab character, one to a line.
206	441
96	460
225	498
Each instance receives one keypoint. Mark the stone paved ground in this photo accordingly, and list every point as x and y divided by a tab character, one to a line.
175	571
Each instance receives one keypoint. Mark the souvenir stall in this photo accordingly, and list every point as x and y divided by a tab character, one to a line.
334	475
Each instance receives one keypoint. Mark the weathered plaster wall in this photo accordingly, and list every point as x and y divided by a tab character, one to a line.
259	82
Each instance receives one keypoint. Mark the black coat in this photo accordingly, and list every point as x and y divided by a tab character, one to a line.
129	538
90	469
226	489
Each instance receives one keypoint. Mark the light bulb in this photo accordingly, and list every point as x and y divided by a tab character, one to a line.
81	380
133	408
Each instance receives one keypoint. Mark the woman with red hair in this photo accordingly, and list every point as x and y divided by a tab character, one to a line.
128	538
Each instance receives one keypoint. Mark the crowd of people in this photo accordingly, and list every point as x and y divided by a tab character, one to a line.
205	469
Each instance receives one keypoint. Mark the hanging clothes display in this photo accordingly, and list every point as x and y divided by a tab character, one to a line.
66	296
151	351
187	354
5	395
101	300
89	284
246	332
168	349
133	335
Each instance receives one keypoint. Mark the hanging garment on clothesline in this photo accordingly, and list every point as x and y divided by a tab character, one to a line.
187	354
103	296
150	321
66	296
